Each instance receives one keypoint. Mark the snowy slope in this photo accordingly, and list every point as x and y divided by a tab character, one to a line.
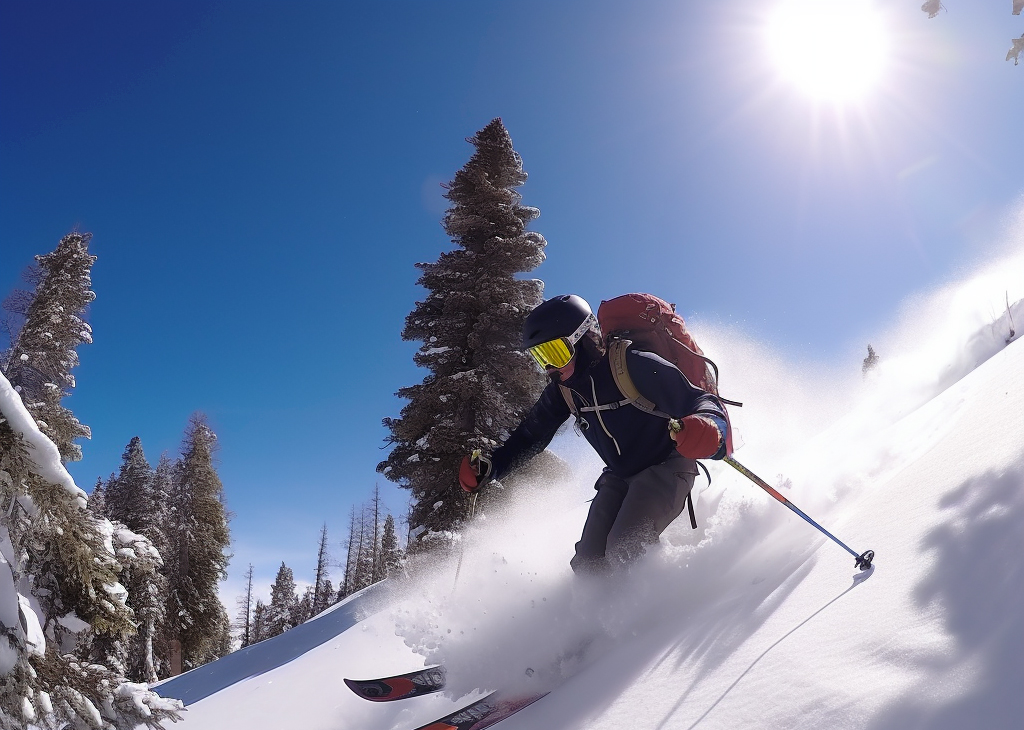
755	620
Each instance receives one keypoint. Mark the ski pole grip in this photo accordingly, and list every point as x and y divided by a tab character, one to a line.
482	465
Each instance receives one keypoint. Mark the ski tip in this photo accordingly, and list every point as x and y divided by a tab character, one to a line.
402	686
387	690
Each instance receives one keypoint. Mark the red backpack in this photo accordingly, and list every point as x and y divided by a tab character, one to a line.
645	322
652	324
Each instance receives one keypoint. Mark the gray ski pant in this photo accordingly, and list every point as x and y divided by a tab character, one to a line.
629	514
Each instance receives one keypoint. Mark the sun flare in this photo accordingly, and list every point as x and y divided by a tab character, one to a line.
832	50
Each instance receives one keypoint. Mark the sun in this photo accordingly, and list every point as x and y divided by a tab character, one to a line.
832	50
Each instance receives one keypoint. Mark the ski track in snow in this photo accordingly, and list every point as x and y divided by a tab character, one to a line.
755	620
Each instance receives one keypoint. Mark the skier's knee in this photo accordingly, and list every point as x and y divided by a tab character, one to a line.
630	546
584	563
609	481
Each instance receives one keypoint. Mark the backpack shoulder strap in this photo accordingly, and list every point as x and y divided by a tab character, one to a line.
620	373
567	395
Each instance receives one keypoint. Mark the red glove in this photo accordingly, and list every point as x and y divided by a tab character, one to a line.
474	473
697	438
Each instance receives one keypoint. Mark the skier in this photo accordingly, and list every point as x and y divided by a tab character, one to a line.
650	468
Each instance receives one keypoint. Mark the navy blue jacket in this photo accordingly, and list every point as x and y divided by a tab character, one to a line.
638	439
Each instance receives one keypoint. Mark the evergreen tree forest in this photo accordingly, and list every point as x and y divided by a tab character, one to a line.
479	383
178	509
372	552
64	660
126	579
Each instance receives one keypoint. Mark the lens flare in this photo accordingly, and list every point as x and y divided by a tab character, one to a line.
832	50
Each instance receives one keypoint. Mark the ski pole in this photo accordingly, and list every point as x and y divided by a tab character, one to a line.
478	458
863	561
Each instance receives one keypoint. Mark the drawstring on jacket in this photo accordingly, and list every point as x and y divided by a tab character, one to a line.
597	409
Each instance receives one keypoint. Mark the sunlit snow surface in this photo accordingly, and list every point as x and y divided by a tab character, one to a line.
754	620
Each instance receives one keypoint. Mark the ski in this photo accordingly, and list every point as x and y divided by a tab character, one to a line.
402	686
484	712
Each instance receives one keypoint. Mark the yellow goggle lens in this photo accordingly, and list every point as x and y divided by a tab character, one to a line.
554	353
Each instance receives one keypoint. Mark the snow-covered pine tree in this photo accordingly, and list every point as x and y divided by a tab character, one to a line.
130	502
98	499
222	645
303	609
281	611
141	576
138	571
480	383
163	486
198	539
330	596
43	350
391	554
130	498
259	621
62	557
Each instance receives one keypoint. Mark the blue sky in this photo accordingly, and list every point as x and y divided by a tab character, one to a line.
260	178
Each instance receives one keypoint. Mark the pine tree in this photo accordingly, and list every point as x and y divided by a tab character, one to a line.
130	502
138	571
281	612
141	576
348	582
163	487
65	553
197	555
43	350
330	596
321	585
245	606
870	361
221	645
259	621
131	497
480	382
391	553
302	611
98	500
365	551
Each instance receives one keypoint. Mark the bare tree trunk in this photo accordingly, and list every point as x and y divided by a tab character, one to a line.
349	571
321	571
375	566
247	606
148	648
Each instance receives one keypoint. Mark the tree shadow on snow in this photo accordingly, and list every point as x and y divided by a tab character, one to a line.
978	582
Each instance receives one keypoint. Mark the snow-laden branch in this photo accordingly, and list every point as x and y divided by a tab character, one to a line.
41	450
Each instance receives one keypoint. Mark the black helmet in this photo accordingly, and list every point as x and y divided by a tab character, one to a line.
558	317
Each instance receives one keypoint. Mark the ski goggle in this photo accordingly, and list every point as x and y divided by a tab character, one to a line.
558	352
